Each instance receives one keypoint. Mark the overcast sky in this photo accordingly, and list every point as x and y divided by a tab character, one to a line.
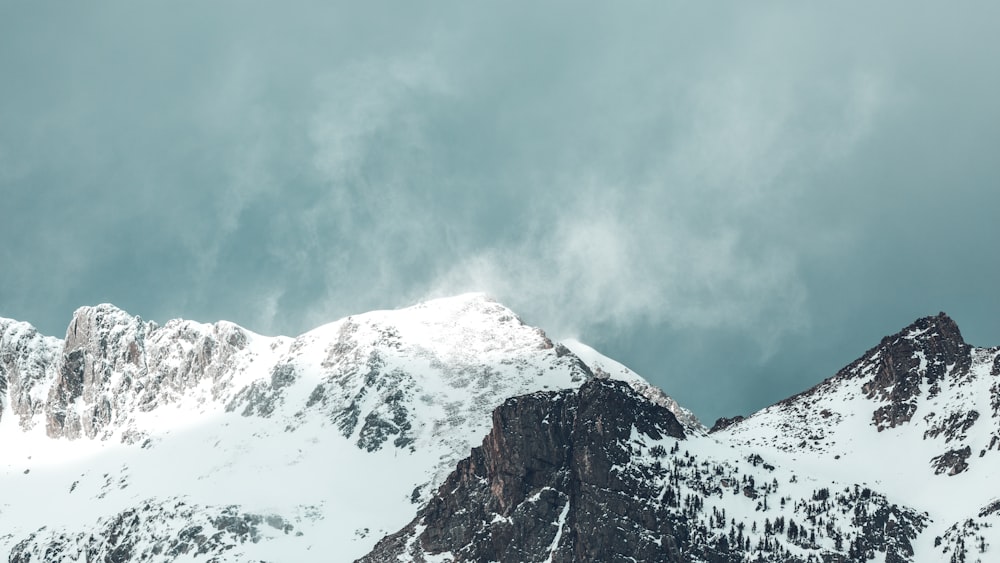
734	200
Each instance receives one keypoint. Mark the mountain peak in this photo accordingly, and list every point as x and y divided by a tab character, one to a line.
99	311
924	352
924	383
939	327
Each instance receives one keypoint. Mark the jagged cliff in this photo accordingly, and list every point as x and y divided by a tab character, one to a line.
114	365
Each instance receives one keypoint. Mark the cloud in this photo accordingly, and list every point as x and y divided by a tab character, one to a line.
685	210
705	238
691	174
360	103
574	179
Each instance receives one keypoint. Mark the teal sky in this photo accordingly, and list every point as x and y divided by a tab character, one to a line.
735	200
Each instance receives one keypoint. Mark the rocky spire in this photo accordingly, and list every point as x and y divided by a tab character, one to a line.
103	350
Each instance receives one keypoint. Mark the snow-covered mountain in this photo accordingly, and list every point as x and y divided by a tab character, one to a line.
188	440
451	431
873	464
916	418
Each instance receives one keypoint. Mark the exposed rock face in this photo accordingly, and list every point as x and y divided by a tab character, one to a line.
723	422
26	361
927	351
953	461
114	365
925	377
549	480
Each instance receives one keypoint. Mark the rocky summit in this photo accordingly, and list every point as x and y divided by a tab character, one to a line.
452	431
549	483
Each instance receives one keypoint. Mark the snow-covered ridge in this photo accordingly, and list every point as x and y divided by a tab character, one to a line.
916	417
368	413
603	366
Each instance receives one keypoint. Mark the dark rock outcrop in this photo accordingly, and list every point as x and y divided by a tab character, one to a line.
723	422
925	352
952	462
551	479
921	353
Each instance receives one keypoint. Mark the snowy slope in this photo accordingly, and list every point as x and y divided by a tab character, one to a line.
603	366
189	440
